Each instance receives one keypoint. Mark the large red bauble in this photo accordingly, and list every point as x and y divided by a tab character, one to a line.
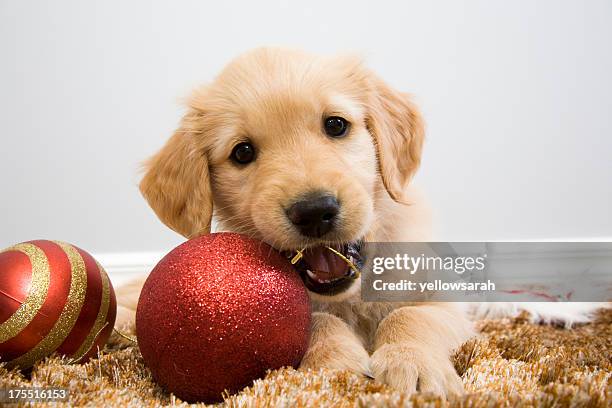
217	312
54	297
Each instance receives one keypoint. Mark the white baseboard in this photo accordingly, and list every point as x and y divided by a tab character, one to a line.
125	266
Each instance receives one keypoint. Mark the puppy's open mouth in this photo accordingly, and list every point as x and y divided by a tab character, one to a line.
328	270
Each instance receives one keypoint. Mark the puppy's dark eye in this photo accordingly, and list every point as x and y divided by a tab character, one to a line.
335	126
243	153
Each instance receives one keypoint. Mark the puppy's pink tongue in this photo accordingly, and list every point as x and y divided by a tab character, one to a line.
325	264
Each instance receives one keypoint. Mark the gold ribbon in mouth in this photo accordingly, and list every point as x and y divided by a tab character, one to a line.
356	272
298	255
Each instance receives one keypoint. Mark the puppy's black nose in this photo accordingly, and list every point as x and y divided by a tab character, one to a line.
314	215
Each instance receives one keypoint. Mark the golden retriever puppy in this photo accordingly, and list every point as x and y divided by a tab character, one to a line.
304	151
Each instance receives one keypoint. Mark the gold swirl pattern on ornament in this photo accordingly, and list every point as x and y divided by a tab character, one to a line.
69	315
100	322
41	277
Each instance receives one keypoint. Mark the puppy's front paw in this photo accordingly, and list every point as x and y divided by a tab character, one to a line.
337	352
410	369
334	345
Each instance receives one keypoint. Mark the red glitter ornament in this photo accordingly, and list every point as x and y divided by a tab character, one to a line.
54	297
217	312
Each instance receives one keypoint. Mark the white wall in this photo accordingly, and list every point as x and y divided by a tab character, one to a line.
517	95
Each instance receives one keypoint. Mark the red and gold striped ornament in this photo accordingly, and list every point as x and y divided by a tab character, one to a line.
54	297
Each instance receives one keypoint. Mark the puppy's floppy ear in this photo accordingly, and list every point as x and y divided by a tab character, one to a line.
177	182
398	131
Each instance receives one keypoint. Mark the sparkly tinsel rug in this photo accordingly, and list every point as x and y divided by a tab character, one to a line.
513	364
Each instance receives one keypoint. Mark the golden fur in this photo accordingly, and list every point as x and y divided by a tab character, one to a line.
276	99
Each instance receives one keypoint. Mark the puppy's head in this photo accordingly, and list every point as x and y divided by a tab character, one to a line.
292	149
